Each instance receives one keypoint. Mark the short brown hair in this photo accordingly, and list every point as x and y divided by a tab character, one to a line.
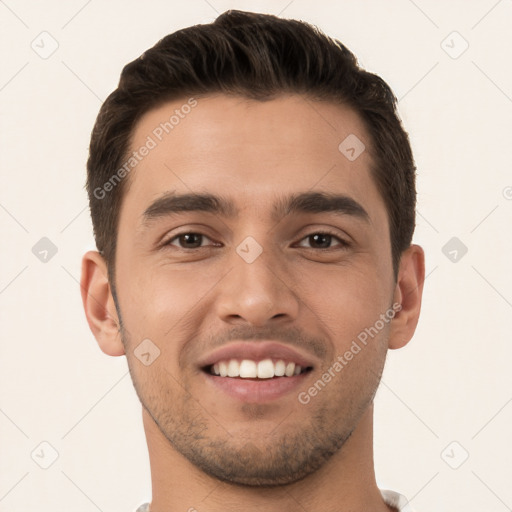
257	56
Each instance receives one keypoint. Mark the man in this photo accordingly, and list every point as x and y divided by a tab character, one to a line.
252	193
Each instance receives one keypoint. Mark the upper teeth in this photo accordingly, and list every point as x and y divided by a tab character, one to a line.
247	369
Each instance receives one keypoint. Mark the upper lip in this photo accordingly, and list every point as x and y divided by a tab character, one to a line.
257	351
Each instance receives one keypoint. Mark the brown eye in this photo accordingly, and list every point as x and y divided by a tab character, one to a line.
323	240
188	240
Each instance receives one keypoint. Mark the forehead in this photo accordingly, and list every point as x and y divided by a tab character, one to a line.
250	151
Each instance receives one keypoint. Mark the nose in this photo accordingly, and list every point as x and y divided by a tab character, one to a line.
258	292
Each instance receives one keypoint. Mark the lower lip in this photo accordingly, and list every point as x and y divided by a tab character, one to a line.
256	391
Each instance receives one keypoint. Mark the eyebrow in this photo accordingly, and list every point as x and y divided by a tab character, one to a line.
307	202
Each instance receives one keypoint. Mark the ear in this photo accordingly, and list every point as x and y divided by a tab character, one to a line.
408	293
99	304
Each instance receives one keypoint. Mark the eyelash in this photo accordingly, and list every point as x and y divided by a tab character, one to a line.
343	244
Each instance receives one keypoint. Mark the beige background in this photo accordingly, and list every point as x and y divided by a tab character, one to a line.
452	383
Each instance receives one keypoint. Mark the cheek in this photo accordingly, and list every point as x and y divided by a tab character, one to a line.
159	302
346	299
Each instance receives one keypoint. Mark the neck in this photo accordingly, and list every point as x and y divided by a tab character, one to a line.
346	482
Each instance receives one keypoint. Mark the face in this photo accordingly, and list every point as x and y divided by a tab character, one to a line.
286	277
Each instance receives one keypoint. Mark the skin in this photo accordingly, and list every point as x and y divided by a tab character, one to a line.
208	450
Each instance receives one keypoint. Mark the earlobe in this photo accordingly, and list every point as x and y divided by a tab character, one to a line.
408	293
99	304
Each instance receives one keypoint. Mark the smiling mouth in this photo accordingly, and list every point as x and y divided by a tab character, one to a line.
256	370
